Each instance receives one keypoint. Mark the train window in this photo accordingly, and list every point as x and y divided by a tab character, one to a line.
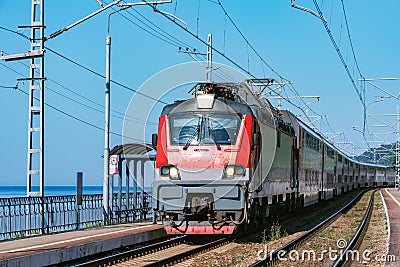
307	140
184	128
195	129
278	139
312	142
222	127
330	152
330	178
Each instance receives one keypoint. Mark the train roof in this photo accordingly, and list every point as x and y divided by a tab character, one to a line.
244	101
289	117
222	105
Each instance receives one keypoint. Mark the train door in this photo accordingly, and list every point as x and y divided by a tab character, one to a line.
256	151
295	166
322	192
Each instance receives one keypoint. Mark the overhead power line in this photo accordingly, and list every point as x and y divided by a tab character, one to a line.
20	34
9	87
351	42
176	44
161	31
88	69
102	76
70	115
124	116
248	43
231	60
339	54
263	61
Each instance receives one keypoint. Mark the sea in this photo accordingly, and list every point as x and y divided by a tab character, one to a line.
7	191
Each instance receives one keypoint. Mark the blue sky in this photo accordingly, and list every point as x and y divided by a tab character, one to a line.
294	43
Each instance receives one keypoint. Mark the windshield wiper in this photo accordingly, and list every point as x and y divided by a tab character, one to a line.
214	138
190	140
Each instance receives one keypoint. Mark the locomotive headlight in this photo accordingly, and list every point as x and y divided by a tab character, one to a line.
233	170
230	171
173	172
169	170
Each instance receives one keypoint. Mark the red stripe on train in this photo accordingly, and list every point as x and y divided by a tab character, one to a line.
243	156
161	156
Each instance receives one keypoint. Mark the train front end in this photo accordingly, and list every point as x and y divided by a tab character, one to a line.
202	165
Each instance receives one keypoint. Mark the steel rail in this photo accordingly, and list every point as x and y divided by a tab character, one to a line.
191	253
271	258
358	236
133	253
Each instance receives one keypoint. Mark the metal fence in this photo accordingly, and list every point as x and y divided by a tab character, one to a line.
29	216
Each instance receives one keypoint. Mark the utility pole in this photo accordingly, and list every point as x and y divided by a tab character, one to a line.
35	164
209	59
35	158
36	110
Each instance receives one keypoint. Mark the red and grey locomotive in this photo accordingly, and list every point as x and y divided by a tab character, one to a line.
227	157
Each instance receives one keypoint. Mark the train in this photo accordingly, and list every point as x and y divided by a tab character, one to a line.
227	158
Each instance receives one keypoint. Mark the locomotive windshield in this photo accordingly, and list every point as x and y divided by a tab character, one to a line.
195	129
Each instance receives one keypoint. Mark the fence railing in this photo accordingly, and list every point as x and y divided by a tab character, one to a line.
29	216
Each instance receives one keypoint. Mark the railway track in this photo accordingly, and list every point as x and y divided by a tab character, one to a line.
355	242
133	253
180	249
273	259
159	254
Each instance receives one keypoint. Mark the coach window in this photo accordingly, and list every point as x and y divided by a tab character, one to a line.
278	139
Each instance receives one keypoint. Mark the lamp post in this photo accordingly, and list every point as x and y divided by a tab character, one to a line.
107	191
107	182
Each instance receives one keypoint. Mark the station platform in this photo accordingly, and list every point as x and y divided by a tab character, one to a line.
56	249
392	200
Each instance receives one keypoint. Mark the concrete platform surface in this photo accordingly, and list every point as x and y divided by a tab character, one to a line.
57	248
392	200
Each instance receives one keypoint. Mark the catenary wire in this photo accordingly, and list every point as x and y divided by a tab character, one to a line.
261	58
88	69
102	76
127	117
69	115
338	52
